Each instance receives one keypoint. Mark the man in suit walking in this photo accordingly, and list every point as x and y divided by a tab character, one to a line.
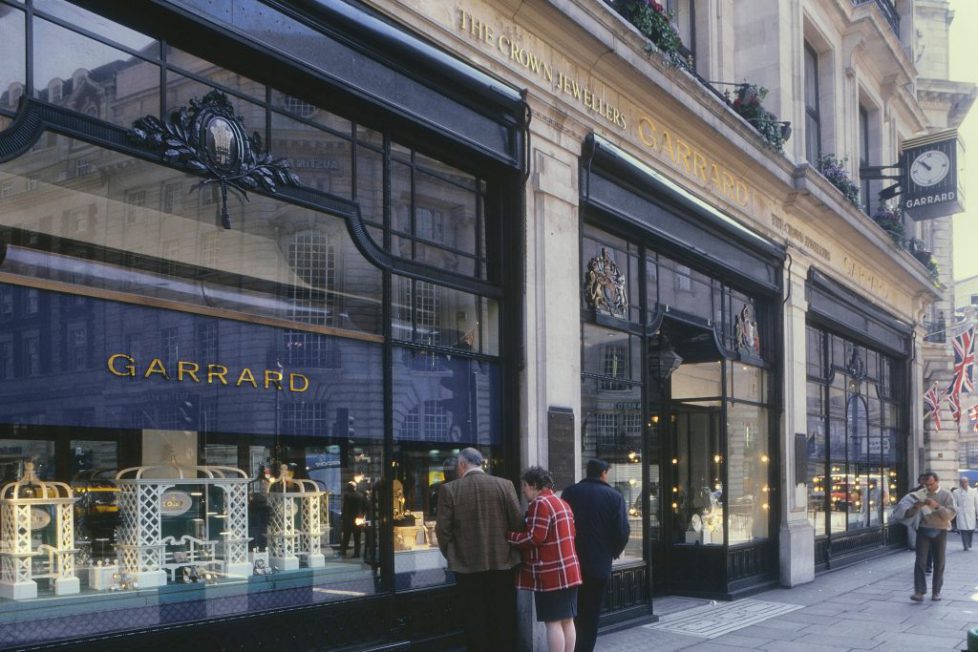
601	520
475	511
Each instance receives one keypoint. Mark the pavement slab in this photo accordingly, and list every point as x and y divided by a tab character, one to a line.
865	606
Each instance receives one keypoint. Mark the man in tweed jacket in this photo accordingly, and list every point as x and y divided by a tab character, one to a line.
474	513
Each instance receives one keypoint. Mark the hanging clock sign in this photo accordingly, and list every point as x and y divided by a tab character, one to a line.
930	176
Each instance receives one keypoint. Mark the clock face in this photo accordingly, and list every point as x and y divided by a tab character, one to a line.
930	168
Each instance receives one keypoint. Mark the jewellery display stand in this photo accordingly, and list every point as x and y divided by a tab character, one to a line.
37	522
175	516
295	529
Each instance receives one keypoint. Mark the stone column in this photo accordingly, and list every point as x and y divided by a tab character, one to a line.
797	536
553	322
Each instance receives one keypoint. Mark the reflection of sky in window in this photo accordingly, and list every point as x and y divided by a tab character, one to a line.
12	63
65	52
96	24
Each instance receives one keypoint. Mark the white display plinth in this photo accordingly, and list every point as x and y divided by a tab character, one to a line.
100	577
18	590
66	585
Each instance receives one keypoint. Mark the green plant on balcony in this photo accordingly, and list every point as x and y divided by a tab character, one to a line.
748	103
891	221
924	257
834	170
654	22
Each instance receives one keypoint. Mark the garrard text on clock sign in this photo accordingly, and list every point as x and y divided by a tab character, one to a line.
929	179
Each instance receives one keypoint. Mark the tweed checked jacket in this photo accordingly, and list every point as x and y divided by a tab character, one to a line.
474	514
549	558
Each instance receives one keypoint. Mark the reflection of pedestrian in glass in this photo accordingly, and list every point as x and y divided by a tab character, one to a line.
258	509
550	566
448	470
352	518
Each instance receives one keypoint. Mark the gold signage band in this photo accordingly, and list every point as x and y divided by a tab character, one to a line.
125	366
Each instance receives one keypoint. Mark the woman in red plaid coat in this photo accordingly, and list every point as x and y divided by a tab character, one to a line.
550	568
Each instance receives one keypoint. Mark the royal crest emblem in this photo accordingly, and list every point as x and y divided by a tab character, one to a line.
208	138
605	286
748	339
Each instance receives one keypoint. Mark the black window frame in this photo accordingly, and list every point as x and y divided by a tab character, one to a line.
813	119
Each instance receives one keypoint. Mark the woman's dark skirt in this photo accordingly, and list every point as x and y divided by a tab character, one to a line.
556	605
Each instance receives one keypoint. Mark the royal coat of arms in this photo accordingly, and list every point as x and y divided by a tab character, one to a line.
605	286
745	326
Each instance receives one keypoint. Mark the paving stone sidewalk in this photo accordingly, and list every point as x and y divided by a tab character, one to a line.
861	607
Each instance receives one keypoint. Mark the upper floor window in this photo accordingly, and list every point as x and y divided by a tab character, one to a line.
813	126
684	20
864	158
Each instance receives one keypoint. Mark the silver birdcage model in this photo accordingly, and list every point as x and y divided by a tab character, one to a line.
295	525
37	536
177	516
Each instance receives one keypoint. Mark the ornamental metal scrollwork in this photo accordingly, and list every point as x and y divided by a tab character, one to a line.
745	327
856	366
209	138
605	286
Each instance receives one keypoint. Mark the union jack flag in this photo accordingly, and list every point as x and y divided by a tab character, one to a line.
962	382
933	401
954	404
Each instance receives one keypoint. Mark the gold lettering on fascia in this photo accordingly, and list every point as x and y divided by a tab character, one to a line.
125	366
800	238
664	143
511	48
692	162
866	278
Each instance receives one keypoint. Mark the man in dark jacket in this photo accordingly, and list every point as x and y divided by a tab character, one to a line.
602	526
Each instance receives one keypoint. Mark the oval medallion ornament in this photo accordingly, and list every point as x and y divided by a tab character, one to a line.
40	518
604	285
209	139
222	141
175	503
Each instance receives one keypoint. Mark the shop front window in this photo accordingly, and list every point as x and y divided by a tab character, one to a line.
218	399
852	473
442	404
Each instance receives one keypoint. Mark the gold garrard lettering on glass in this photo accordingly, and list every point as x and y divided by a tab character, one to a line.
126	366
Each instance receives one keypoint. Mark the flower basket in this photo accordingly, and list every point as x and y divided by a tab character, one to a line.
925	258
653	21
834	170
891	221
747	103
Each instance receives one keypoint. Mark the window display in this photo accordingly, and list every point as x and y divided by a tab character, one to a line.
853	419
37	536
216	402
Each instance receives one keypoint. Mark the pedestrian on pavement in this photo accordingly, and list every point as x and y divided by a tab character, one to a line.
966	503
550	566
936	507
601	521
475	511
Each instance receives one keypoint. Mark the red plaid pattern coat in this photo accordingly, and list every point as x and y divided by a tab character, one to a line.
547	543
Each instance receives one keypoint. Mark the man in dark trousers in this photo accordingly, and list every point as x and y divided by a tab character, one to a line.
352	510
601	520
475	511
